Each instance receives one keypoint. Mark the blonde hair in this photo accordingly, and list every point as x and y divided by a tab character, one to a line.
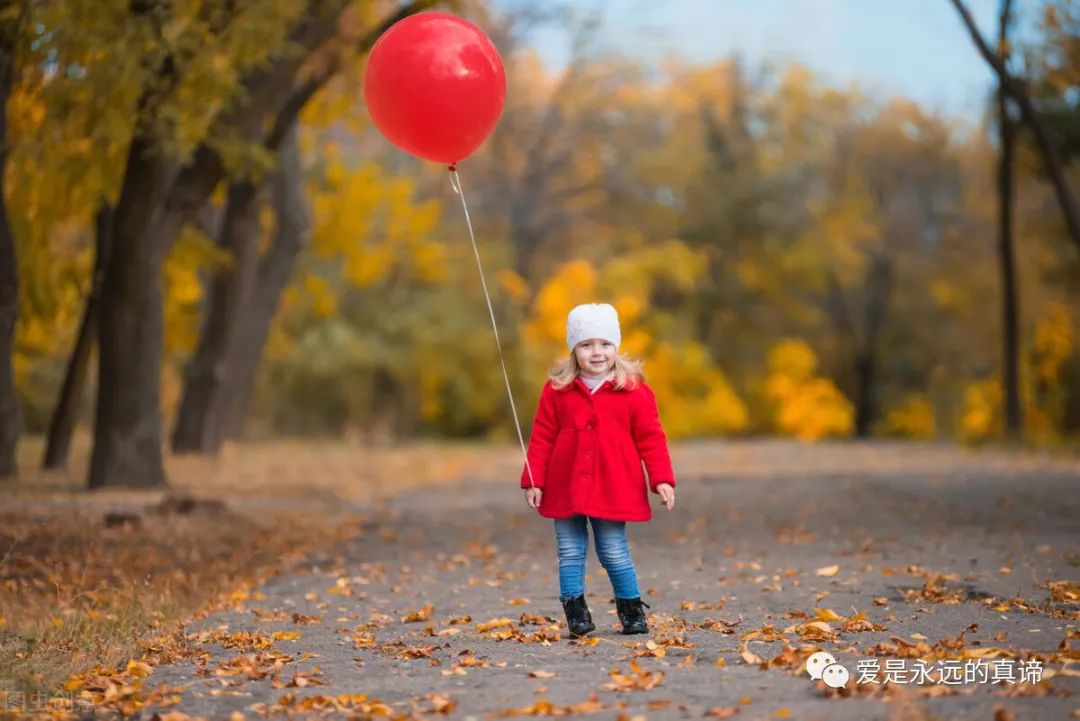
626	373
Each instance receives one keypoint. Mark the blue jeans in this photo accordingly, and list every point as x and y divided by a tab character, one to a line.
572	539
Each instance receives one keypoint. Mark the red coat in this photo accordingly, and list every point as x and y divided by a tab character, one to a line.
586	451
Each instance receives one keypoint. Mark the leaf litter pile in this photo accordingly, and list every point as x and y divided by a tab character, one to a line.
99	580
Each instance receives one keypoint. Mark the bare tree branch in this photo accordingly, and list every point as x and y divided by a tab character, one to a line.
1017	90
302	94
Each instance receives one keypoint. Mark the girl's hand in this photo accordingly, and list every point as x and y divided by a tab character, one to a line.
667	494
532	497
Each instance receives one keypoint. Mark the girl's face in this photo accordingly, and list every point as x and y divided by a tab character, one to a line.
595	357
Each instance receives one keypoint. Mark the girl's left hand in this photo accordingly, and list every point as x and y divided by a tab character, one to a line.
667	494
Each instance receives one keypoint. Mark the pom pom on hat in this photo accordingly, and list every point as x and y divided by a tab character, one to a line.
592	320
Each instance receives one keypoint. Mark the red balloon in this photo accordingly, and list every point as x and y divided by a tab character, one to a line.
435	86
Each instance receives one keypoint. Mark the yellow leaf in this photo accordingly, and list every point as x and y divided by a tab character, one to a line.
827	614
494	623
138	668
422	615
750	657
286	635
828	570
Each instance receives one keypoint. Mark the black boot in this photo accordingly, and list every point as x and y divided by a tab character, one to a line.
578	618
632	615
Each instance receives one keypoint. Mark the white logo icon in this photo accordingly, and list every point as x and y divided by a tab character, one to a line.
835	676
817	663
823	666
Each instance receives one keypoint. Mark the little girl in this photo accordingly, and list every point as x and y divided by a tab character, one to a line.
596	422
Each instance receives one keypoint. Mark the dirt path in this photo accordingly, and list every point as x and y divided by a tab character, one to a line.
790	541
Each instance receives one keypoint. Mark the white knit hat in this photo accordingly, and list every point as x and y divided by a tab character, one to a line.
592	320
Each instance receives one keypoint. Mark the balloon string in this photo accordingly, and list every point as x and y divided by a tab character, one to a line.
455	183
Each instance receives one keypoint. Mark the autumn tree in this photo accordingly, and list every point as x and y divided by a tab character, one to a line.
169	177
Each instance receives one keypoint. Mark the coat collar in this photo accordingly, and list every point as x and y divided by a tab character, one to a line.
608	382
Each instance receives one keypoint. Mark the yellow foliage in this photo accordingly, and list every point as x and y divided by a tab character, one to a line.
815	410
636	272
371	223
806	406
792	360
693	395
629	308
428	260
429	384
945	294
572	284
635	342
323	300
513	284
913	418
1054	343
35	336
980	417
191	255
365	268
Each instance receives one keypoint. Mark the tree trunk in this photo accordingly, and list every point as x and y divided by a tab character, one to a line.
275	269
199	426
10	415
878	282
65	416
242	305
127	437
1009	293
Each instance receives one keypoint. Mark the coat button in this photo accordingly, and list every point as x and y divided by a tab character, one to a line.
588	454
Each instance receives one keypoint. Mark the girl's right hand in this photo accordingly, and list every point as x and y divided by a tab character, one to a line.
532	497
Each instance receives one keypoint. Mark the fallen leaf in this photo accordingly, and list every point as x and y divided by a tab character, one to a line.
750	657
828	570
286	635
827	614
422	615
494	623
